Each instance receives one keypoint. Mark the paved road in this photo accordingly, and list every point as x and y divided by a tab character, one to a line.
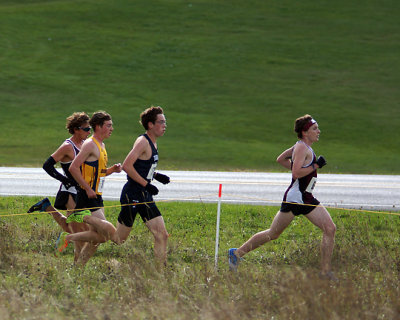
369	192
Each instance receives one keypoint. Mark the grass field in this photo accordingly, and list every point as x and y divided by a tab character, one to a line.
231	75
276	281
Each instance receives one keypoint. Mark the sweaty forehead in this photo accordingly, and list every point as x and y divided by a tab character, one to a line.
160	116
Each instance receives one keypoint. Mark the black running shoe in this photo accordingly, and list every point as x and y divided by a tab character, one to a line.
40	206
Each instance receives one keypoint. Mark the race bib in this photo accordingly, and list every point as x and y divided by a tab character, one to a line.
151	171
101	184
311	185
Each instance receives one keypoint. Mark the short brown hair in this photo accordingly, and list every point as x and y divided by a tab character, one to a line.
98	118
300	123
150	115
76	120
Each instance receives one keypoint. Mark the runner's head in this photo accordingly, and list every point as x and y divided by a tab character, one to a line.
302	124
150	115
98	118
75	121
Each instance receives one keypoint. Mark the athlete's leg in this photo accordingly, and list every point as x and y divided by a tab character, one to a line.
86	253
75	227
157	228
91	235
280	223
70	204
102	226
58	217
322	219
121	234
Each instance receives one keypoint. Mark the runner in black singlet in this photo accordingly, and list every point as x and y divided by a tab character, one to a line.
137	194
298	198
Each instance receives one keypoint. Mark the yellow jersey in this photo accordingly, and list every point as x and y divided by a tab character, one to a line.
94	172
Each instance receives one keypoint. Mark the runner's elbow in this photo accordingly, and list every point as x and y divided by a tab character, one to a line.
295	175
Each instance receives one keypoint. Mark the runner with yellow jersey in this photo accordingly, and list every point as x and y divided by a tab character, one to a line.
89	169
94	172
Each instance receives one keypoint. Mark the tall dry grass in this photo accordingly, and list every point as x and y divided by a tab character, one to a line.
277	281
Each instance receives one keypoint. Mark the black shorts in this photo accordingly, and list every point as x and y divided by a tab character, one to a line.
298	208
62	198
83	202
129	209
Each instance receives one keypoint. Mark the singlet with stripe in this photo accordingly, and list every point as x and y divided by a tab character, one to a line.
146	168
300	190
94	172
65	165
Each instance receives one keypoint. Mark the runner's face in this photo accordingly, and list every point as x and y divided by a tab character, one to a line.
314	132
83	134
107	128
160	125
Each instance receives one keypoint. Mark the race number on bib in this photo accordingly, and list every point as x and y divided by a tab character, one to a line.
311	185
151	171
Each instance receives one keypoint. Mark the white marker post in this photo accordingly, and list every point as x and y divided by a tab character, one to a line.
217	233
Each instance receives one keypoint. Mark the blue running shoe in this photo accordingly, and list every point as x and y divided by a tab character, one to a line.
61	243
233	259
40	206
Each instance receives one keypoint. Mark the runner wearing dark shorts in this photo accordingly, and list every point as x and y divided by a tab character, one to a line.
145	206
137	194
89	169
298	198
83	202
78	125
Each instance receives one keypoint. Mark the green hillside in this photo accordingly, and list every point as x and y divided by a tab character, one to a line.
232	77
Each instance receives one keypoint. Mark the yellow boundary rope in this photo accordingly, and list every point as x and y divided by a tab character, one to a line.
114	206
206	195
317	205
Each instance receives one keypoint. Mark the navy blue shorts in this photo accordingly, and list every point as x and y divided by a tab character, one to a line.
83	202
133	201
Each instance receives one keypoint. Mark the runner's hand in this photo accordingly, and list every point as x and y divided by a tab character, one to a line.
321	161
152	189
161	178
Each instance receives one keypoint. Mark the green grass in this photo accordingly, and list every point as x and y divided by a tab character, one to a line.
276	281
231	75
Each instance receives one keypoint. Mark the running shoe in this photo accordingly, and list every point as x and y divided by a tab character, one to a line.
78	216
40	206
233	259
61	243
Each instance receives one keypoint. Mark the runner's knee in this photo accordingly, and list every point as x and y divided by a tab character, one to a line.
161	235
330	229
272	235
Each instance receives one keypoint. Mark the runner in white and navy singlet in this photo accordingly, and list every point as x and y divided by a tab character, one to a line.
133	192
63	193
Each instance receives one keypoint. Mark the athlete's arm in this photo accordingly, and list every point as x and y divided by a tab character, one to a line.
115	168
284	159
63	153
139	148
86	153
299	158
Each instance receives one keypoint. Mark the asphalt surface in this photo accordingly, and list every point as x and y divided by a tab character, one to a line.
368	192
